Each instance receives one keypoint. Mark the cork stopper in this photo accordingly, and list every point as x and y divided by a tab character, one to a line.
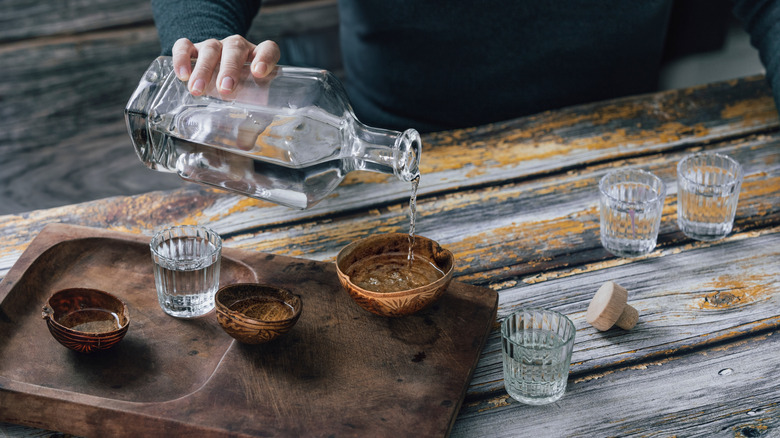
608	308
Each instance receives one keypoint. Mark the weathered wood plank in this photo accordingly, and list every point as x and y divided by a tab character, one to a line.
73	100
526	227
63	97
346	343
579	136
62	129
69	103
325	238
555	141
510	178
688	297
22	19
592	133
27	19
729	391
650	295
15	430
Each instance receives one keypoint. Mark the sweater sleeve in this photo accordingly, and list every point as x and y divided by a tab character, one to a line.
761	19
199	20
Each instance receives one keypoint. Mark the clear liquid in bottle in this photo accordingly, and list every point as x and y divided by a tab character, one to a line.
289	138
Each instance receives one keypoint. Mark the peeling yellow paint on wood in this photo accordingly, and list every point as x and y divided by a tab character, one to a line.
495	402
537	236
503	285
366	178
749	430
243	204
14	245
597	266
475	172
757	186
743	342
639	367
730	291
759	110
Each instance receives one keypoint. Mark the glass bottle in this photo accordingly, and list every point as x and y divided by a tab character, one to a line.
289	138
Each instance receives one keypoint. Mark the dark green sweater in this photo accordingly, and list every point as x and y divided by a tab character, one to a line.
422	65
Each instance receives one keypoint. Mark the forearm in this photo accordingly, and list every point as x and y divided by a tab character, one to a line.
198	20
761	19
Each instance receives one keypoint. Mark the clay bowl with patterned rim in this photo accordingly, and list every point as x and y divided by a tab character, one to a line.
86	320
376	273
256	313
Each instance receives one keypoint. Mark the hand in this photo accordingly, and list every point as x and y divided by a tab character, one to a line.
230	54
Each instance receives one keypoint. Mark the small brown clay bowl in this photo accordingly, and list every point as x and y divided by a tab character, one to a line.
86	320
256	313
370	269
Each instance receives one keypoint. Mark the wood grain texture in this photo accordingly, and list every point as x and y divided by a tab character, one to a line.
187	377
730	391
525	223
687	298
28	19
699	363
62	126
526	227
530	226
64	138
519	149
69	69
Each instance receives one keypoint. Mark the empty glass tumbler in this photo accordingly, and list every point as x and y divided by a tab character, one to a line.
631	203
536	346
708	186
186	269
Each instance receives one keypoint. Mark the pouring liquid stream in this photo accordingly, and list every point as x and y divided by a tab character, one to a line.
397	271
412	217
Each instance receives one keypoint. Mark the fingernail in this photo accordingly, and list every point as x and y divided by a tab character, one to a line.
198	86
227	84
260	68
184	74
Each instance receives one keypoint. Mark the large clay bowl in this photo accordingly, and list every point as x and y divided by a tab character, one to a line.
86	320
255	313
369	253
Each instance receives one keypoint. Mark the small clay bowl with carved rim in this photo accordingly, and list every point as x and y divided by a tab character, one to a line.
374	271
86	320
256	313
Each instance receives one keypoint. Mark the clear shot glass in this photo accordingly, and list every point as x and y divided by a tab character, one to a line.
631	202
536	346
708	186
186	269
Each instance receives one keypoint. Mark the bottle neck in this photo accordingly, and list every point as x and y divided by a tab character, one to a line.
386	151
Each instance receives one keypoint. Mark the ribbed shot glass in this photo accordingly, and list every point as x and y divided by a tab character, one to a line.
708	186
536	346
631	202
186	269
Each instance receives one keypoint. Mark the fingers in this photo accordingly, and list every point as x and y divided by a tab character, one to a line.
235	53
230	55
209	53
266	55
183	52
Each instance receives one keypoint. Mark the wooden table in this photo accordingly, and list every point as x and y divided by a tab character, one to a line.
517	204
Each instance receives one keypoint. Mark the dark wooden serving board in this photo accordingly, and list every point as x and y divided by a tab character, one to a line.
341	371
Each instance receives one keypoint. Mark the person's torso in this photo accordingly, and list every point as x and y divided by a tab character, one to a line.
432	66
